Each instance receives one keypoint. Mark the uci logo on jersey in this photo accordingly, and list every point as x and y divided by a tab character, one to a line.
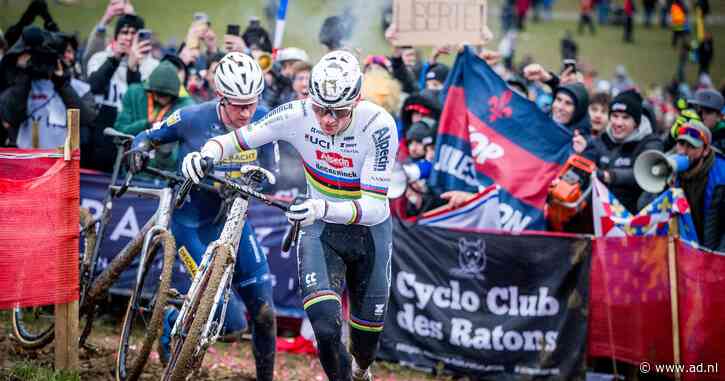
317	141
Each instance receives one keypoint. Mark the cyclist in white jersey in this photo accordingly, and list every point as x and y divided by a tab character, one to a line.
348	147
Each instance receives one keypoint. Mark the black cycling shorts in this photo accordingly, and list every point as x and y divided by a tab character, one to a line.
331	256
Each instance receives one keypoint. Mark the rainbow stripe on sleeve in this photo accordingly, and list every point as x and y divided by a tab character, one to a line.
374	191
241	143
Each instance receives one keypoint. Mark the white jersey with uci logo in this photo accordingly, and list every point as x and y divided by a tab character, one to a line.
351	170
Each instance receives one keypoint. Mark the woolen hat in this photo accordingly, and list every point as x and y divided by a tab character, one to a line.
628	102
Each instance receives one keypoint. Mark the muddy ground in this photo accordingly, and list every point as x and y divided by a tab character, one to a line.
223	362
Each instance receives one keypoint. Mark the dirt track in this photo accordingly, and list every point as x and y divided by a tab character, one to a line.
223	362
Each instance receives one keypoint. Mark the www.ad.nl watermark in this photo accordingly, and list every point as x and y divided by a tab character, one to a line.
647	367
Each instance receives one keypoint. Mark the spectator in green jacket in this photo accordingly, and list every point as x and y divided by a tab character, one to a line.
146	105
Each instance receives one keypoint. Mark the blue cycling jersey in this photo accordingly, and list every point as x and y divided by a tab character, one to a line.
192	127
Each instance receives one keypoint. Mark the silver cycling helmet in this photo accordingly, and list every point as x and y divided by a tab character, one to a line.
239	78
336	80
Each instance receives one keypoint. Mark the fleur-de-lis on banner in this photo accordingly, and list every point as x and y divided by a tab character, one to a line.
499	106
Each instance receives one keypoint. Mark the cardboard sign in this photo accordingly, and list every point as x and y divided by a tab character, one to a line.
440	22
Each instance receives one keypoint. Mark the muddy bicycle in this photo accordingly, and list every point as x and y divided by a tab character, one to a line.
202	314
34	327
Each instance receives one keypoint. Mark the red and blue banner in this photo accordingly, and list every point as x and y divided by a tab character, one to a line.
489	134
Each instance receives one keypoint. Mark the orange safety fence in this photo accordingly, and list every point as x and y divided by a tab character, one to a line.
39	227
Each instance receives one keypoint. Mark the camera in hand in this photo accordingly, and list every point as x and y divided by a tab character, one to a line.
45	48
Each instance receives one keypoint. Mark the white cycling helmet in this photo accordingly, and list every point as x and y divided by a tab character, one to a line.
239	78
336	80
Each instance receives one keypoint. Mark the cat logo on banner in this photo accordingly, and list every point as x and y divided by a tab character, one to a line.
471	259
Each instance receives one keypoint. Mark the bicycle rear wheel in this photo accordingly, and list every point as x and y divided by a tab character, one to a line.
145	315
34	327
185	351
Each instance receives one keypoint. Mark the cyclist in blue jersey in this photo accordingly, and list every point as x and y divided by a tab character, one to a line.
348	148
239	82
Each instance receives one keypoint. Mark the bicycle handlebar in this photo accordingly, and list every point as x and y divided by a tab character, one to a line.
207	164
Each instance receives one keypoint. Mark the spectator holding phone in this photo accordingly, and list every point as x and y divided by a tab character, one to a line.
125	61
97	37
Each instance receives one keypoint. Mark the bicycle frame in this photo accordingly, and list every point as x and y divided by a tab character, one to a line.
230	237
160	220
86	277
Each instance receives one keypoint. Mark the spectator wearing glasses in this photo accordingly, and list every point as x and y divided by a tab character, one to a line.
703	183
709	104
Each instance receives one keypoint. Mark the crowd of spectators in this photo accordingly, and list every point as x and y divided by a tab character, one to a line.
122	76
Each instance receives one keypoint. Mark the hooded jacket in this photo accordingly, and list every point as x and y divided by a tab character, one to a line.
718	136
618	158
427	99
580	119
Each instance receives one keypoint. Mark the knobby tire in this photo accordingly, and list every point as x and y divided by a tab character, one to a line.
130	362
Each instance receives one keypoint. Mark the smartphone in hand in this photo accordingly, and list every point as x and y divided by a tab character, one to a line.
144	34
570	64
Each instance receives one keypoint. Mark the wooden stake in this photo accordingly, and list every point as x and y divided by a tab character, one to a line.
66	336
674	305
72	138
66	315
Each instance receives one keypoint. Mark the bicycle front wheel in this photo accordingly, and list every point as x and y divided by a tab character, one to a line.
34	327
186	349
145	314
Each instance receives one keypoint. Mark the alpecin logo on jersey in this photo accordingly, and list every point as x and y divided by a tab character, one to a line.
334	159
381	139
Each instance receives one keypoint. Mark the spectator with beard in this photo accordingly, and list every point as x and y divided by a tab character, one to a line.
703	183
615	151
125	61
